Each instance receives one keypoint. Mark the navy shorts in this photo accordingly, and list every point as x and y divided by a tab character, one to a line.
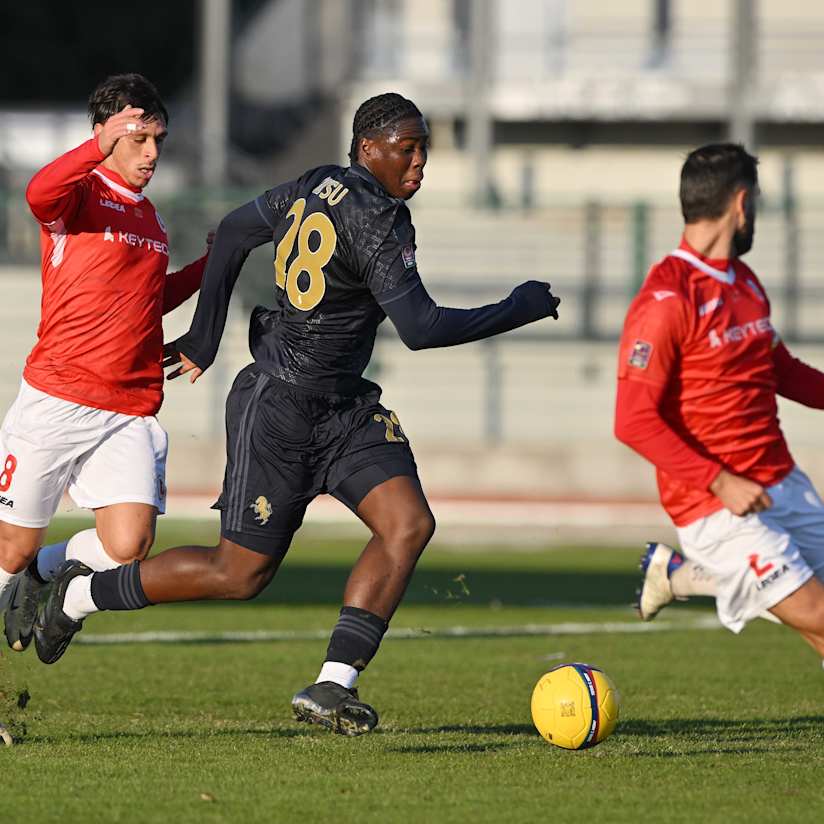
286	445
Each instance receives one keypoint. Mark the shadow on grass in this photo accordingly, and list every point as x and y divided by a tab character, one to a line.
454	749
165	734
725	729
477	729
297	584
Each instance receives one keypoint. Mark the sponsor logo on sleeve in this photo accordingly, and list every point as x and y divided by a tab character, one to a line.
408	255
640	354
663	294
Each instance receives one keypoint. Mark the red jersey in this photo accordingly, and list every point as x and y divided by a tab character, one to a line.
699	345
104	255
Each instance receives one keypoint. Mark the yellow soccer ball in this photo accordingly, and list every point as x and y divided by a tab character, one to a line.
575	706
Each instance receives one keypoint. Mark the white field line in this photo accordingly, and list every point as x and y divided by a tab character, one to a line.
400	634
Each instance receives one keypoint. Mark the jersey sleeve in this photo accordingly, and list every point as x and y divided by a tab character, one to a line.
56	191
239	232
655	327
392	268
180	286
796	380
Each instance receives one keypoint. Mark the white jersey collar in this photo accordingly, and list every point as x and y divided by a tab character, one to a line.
121	190
718	274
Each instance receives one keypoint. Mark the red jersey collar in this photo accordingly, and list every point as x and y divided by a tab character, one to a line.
719	268
116	183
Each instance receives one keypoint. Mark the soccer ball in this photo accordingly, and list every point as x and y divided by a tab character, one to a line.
575	706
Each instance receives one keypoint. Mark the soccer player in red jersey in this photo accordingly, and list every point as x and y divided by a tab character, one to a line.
84	420
700	366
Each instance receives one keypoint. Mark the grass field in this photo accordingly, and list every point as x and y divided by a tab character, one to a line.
713	727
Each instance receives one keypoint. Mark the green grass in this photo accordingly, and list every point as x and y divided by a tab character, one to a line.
713	727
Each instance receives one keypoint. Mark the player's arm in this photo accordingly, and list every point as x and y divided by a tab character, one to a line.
55	192
392	276
239	232
422	324
796	380
649	349
180	286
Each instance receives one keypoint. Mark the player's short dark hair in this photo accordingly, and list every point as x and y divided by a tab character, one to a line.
377	114
120	90
711	175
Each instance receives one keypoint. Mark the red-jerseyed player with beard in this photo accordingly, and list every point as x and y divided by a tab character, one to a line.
700	366
84	420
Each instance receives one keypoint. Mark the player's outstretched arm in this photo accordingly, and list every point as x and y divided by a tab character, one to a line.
239	232
422	324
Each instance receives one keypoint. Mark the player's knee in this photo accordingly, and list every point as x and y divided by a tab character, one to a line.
414	530
237	578
14	556
127	548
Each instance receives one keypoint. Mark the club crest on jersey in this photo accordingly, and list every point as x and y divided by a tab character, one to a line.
262	509
408	255
138	212
640	354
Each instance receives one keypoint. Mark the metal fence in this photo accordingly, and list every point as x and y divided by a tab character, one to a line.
595	253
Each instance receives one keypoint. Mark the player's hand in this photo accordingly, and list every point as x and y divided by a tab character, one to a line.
740	495
171	357
125	122
536	300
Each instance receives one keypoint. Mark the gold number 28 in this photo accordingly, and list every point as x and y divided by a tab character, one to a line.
308	260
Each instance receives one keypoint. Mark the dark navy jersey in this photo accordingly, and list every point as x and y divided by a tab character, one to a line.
344	259
340	241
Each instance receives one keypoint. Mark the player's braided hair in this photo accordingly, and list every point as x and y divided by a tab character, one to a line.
379	113
120	90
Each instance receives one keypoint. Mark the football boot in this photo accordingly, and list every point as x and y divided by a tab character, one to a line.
21	611
658	562
53	629
335	707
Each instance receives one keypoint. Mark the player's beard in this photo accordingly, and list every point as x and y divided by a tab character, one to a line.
742	239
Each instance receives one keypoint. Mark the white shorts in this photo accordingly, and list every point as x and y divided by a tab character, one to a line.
759	560
49	446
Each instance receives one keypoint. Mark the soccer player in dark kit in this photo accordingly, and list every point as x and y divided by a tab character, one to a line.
301	420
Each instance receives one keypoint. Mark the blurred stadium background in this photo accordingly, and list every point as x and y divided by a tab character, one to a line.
559	127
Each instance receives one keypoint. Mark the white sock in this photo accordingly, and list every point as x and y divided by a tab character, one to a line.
49	559
88	548
78	603
342	674
692	579
6	580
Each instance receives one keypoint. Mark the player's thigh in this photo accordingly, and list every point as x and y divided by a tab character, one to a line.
271	456
374	472
38	448
756	564
798	507
803	609
126	466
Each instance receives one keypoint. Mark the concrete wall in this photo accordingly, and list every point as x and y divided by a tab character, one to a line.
554	424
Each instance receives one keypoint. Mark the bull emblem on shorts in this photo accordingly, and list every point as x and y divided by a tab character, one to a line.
262	509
